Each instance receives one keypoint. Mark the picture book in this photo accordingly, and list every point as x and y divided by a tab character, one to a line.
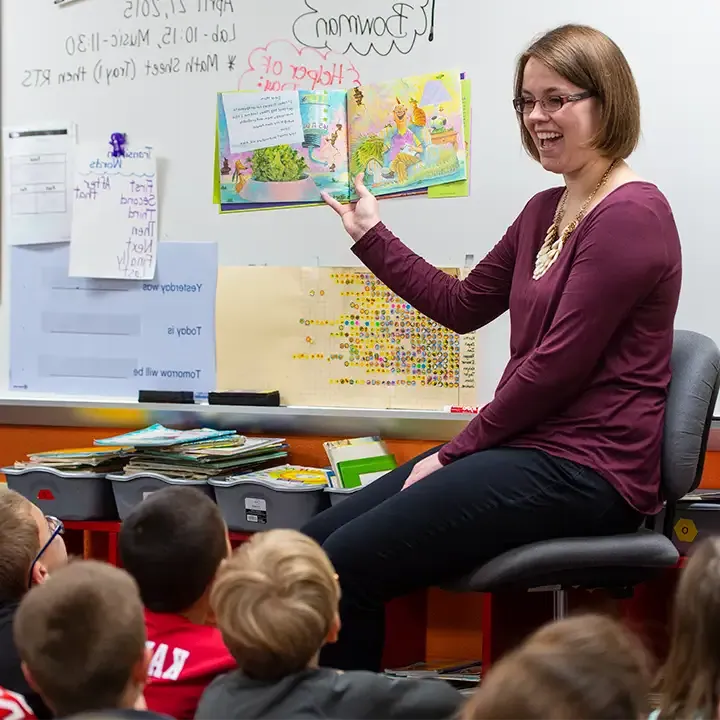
287	473
159	436
283	149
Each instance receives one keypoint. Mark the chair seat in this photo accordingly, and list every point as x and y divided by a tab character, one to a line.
597	562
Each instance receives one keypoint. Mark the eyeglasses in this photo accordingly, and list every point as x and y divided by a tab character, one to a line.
56	528
550	103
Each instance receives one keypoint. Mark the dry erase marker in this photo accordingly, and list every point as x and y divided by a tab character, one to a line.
462	409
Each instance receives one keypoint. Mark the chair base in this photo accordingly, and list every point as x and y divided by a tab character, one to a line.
560	604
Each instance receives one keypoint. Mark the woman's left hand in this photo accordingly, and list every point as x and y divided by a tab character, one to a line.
422	469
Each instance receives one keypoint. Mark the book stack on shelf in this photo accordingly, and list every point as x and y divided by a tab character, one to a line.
197	454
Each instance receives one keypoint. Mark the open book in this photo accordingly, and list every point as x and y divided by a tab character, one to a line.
282	149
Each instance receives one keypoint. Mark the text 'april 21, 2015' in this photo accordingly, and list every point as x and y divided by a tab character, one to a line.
152	39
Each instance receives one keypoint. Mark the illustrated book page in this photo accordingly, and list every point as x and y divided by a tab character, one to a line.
281	149
408	134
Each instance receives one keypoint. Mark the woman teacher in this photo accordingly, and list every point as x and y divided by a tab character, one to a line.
570	444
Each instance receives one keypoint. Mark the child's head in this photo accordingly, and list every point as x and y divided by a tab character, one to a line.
689	684
172	543
583	668
30	546
276	603
81	639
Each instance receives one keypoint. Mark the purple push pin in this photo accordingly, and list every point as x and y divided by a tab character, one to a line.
117	142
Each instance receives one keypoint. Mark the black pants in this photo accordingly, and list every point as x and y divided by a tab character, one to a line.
385	543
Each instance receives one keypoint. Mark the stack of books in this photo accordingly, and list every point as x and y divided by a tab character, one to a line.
198	454
465	676
82	460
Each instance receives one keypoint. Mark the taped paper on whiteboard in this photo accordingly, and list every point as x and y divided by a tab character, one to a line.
260	120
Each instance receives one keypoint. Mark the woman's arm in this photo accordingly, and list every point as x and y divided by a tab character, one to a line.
623	256
460	305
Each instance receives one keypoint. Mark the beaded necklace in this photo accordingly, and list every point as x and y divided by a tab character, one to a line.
554	240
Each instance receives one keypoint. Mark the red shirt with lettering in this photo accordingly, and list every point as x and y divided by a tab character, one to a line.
186	658
14	707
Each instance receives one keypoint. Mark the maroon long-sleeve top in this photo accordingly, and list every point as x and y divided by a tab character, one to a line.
590	341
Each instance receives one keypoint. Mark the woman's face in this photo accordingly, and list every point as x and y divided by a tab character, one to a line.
561	137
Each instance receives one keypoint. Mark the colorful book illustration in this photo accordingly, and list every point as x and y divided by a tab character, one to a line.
283	149
286	473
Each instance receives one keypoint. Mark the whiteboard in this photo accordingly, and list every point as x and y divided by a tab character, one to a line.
80	62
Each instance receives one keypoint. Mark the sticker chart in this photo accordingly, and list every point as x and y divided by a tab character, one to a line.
336	337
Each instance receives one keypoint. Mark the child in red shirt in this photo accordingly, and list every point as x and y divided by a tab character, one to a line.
14	707
173	544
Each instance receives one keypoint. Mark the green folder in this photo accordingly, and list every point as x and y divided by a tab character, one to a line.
349	471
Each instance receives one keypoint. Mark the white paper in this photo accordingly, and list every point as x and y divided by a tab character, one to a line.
38	183
260	120
115	216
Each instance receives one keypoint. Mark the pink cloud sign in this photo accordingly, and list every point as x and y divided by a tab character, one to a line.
282	66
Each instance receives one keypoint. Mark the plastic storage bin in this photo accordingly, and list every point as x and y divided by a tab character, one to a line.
339	494
131	490
66	495
251	505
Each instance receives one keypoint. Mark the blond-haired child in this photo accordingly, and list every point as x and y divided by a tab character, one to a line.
276	603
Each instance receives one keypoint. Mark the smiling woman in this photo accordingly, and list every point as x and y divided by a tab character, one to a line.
570	443
571	67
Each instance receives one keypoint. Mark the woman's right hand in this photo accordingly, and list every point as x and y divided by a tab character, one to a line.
357	217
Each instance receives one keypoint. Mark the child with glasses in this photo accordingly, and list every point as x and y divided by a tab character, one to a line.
276	603
32	549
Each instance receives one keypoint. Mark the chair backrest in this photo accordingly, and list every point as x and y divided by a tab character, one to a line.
695	367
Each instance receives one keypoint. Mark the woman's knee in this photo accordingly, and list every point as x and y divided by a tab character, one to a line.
319	528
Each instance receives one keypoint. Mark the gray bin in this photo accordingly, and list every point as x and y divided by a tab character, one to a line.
255	505
66	495
339	494
131	490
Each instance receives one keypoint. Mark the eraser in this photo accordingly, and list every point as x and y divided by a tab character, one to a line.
262	398
184	397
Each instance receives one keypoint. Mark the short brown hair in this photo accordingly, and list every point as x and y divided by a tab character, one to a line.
689	679
583	668
275	601
589	59
80	634
172	544
19	543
